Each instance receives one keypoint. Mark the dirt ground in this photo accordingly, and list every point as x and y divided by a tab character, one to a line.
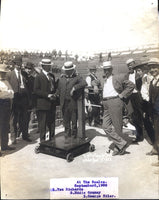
26	175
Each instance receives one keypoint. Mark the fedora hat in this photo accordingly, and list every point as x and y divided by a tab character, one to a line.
68	65
153	61
106	65
3	68
140	65
29	65
130	61
17	59
46	61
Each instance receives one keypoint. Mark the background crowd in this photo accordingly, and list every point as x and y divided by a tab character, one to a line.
132	97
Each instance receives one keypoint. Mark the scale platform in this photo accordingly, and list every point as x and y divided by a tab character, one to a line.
59	147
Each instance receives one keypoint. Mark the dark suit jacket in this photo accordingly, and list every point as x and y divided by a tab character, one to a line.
13	81
154	97
124	87
41	90
77	82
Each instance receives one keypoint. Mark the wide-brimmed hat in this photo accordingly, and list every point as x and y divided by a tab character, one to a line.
45	62
68	66
17	59
3	68
140	65
153	62
107	65
29	65
130	61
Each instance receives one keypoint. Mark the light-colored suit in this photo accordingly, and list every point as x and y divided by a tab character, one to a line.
113	109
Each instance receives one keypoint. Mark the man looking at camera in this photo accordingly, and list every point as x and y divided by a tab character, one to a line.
70	88
116	90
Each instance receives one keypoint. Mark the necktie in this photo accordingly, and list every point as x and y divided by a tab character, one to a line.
51	83
19	80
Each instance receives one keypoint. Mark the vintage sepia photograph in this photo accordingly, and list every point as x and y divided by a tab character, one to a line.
79	99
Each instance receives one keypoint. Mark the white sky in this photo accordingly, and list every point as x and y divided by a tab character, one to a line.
78	25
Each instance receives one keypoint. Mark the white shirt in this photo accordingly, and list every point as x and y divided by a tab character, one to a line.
145	88
5	92
108	90
156	80
88	80
46	73
132	79
21	78
87	104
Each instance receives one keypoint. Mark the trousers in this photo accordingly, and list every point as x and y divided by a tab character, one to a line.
46	118
5	109
113	122
69	118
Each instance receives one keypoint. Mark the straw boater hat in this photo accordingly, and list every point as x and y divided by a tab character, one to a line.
140	65
130	61
3	68
46	62
68	66
153	62
107	65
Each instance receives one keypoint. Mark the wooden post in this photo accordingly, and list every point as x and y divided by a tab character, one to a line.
81	116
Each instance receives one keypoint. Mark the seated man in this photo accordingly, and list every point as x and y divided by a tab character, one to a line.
70	88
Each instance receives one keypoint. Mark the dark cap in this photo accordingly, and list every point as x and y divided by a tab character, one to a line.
29	65
17	60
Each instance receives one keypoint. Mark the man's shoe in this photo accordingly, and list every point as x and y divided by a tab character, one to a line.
27	139
136	140
155	164
108	150
122	151
8	148
156	172
115	152
152	153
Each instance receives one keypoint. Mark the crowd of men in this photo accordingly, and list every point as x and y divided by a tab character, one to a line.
133	95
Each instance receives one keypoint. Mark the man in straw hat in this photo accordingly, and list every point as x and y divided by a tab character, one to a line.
70	88
44	89
6	96
137	115
143	70
153	65
116	90
20	101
